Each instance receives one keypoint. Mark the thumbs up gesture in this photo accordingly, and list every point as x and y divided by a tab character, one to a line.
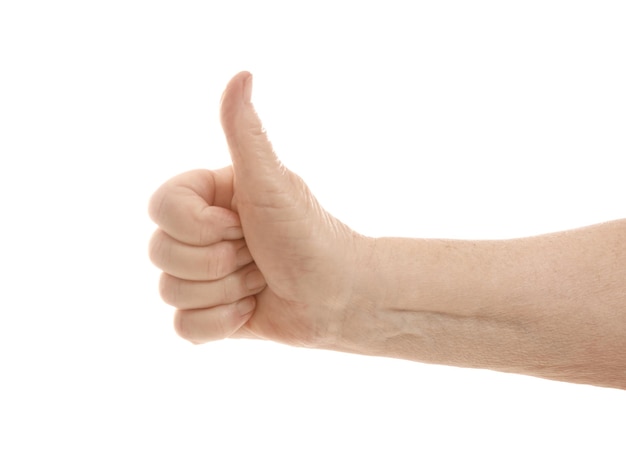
247	251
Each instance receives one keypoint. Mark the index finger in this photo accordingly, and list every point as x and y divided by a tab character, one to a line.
195	207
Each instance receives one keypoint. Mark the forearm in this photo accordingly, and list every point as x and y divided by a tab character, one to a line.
552	306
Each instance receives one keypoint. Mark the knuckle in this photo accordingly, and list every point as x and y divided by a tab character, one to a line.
228	292
222	259
211	223
169	289
155	205
206	226
182	325
224	323
155	248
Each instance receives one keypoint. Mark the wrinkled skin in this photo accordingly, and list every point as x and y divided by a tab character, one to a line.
217	228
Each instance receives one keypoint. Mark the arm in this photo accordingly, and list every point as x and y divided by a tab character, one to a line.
552	306
247	251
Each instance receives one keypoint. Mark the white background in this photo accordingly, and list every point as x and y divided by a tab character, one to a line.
460	119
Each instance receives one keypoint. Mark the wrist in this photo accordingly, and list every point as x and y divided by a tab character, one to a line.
435	301
367	320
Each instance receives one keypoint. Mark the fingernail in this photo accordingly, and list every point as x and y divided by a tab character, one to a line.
245	306
255	280
247	89
243	256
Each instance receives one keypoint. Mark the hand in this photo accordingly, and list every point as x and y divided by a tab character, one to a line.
247	251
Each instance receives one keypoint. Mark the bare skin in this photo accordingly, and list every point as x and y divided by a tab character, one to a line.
248	252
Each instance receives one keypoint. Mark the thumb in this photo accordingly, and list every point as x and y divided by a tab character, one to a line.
259	176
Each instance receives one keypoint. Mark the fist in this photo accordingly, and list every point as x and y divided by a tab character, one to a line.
247	251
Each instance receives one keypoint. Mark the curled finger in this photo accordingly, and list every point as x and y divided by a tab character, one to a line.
197	263
186	294
217	323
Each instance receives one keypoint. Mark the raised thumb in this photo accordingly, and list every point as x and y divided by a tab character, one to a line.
259	175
